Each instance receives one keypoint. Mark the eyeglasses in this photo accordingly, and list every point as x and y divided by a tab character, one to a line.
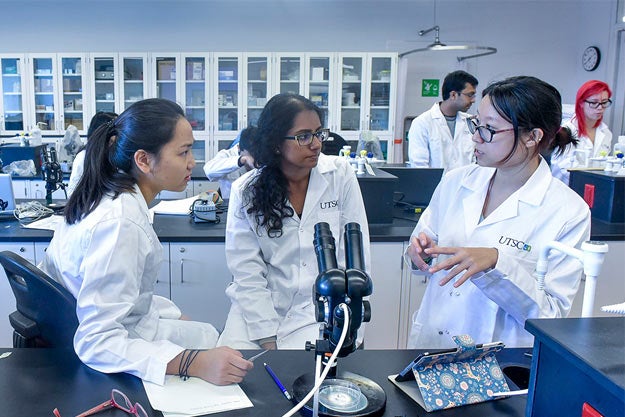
120	401
470	95
486	133
305	139
595	104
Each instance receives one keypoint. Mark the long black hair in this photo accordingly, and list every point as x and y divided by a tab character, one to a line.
266	196
109	159
530	103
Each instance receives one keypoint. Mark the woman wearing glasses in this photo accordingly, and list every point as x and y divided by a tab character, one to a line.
593	97
270	228
482	233
108	256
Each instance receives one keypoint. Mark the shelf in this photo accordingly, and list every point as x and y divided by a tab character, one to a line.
290	81
257	81
133	81
11	75
44	111
104	81
73	93
72	111
10	93
195	107
72	75
13	112
105	101
195	81
166	81
44	93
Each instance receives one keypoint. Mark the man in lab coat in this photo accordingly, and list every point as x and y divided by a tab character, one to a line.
439	137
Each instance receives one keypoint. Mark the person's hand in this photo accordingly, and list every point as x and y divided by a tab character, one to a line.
470	260
246	160
416	251
185	317
269	345
220	366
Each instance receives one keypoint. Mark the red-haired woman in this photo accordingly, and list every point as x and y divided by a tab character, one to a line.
593	97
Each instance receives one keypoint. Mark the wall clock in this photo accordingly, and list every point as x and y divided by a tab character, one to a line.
591	58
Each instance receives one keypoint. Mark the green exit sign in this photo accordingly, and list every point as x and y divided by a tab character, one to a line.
429	88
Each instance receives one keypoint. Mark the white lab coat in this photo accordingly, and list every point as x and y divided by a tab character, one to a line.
110	261
273	278
78	167
561	163
494	305
430	143
224	167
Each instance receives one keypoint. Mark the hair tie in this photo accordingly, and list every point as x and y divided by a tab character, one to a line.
110	128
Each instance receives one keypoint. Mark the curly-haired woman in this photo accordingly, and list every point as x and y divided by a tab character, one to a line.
270	228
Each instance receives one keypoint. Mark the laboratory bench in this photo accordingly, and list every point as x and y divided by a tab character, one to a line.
39	380
195	275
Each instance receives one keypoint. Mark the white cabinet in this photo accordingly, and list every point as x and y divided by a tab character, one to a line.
57	87
289	73
134	84
7	300
320	75
412	291
199	277
105	83
13	104
386	272
34	189
367	88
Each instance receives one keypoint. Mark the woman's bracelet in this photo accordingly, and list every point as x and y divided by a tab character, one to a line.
185	362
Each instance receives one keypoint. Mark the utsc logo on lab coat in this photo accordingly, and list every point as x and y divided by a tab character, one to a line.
328	204
519	244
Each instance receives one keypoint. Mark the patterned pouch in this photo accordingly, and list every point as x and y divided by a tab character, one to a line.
469	374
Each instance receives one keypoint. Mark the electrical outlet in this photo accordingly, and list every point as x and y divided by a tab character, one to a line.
589	194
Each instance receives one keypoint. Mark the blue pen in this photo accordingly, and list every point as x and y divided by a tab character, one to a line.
277	381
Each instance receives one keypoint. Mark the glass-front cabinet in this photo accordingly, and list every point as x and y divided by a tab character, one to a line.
196	91
164	76
352	83
381	93
105	74
72	91
12	85
58	86
228	110
320	76
290	73
258	86
134	84
44	102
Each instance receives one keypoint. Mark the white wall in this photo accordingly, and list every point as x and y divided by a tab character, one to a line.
544	38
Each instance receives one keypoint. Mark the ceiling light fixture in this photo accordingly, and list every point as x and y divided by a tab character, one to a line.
439	46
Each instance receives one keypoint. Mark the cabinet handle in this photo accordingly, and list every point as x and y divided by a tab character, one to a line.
182	270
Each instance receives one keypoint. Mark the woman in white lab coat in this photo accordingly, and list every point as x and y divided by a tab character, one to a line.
270	229
593	97
487	223
108	256
78	165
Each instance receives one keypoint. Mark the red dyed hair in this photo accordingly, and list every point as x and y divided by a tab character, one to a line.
589	88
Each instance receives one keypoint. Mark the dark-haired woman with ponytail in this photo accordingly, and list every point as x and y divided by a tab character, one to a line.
108	256
270	230
483	231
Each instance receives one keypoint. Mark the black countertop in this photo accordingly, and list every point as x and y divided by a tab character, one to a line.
171	228
39	380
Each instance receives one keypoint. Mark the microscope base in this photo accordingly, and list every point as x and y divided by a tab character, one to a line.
376	398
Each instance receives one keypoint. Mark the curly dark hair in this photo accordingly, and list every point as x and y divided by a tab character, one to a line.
266	196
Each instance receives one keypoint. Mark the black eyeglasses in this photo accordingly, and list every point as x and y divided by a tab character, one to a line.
471	95
305	139
595	104
486	133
